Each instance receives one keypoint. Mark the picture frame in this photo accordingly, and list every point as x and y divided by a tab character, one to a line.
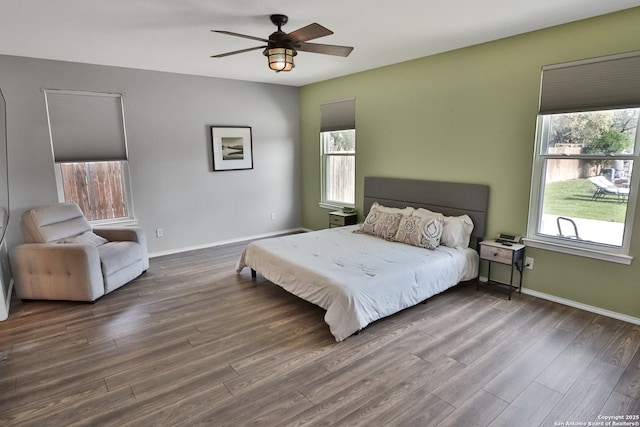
231	148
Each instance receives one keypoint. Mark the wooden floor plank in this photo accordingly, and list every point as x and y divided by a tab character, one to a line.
516	377
467	382
479	410
169	407
583	401
576	321
421	409
622	346
336	407
531	407
629	384
571	363
619	404
39	409
80	413
455	335
414	392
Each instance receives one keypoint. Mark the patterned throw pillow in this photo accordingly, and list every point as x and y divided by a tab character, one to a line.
457	229
422	232
380	224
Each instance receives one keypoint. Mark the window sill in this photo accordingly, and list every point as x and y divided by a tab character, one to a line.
122	222
573	250
334	206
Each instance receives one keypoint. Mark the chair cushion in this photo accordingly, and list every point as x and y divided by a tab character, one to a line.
54	222
115	256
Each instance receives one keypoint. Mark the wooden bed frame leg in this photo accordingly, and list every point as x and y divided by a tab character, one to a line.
253	273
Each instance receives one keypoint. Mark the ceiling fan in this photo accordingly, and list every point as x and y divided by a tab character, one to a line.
281	47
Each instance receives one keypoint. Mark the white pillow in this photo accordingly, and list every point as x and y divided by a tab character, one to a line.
457	231
404	211
426	213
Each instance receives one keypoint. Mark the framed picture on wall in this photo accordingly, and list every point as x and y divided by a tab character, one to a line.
231	148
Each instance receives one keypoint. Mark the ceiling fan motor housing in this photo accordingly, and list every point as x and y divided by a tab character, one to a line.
280	39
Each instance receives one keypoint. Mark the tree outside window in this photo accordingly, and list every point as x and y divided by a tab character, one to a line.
338	165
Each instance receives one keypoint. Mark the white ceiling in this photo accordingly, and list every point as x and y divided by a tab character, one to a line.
174	35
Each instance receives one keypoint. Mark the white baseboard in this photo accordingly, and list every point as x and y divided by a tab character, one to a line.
223	242
575	304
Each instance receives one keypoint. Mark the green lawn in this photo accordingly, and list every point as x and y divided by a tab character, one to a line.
572	198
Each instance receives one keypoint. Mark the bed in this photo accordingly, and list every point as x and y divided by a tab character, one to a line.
359	278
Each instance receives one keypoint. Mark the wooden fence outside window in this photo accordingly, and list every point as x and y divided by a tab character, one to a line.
97	187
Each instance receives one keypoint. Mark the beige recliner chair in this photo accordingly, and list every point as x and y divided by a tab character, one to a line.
63	258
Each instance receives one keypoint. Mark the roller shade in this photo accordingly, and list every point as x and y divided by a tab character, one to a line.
595	84
86	126
338	115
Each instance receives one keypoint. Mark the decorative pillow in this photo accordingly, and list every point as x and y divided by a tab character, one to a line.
420	231
86	238
91	238
457	231
380	224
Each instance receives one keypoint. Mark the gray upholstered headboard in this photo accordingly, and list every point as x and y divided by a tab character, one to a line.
449	198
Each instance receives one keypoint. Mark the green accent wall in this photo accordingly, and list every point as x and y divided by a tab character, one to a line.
469	115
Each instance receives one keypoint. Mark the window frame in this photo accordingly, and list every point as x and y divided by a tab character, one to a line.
324	158
574	247
115	133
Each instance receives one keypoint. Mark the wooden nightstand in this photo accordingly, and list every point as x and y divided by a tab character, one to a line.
340	219
509	254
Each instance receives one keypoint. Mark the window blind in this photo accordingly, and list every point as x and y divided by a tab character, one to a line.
338	115
595	84
86	126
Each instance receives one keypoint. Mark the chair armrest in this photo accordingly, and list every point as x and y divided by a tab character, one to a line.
122	234
57	271
126	234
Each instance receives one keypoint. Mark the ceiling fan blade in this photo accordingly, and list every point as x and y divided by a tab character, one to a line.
244	36
222	55
326	49
310	32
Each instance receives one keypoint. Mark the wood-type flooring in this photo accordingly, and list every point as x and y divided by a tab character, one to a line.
193	343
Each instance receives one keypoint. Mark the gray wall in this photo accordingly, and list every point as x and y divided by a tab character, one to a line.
167	120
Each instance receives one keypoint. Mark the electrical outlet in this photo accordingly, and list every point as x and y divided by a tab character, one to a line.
159	232
273	216
528	263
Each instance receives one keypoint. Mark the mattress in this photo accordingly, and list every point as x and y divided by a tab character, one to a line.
357	278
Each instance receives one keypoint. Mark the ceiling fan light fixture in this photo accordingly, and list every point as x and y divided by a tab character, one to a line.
280	58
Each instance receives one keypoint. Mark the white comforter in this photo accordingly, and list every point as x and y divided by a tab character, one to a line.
357	278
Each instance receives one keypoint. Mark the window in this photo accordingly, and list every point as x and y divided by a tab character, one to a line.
583	187
90	153
339	165
338	154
